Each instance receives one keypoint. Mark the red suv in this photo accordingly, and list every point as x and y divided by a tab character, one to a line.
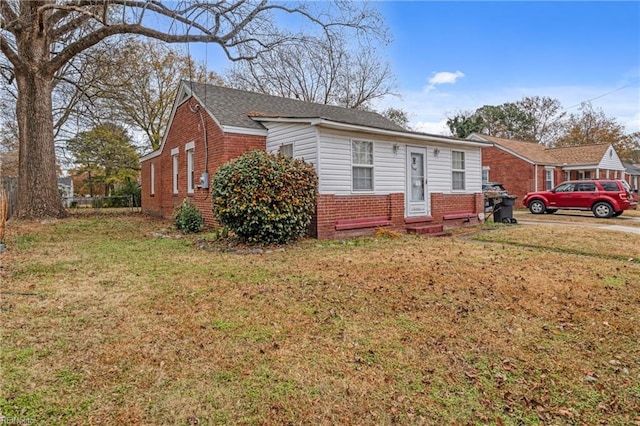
605	198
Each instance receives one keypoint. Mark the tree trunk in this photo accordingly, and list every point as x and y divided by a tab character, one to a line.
38	195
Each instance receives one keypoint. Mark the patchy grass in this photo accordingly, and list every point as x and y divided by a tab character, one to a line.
136	329
595	243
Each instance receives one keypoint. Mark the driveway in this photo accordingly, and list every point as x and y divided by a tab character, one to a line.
630	224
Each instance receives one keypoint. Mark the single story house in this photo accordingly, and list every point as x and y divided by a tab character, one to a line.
371	171
528	166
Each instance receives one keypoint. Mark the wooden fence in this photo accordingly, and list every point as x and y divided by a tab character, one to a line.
10	185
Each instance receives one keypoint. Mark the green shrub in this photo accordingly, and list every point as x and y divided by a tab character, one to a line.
265	198
127	195
187	217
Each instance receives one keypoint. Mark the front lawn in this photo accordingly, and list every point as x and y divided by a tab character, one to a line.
109	320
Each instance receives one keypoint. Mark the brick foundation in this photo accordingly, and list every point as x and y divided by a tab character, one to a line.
335	209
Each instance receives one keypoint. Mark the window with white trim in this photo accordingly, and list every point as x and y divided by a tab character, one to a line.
152	179
175	168
361	165
458	171
189	148
286	150
485	174
548	179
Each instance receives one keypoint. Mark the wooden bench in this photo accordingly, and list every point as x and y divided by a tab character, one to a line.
458	215
362	222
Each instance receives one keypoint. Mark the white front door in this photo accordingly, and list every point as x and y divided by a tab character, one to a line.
417	195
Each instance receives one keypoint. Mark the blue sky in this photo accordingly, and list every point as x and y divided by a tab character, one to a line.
451	56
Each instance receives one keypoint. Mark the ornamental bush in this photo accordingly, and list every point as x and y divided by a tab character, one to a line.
265	198
187	217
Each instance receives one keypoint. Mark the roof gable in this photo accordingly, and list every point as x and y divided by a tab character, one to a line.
536	153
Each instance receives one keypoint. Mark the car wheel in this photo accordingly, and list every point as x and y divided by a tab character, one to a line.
550	211
602	210
616	214
537	207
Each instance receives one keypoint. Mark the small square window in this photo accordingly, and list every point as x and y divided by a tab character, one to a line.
286	150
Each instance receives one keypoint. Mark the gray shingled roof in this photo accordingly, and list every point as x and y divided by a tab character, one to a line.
632	169
233	107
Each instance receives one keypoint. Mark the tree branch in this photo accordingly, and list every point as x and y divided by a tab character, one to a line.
8	14
10	53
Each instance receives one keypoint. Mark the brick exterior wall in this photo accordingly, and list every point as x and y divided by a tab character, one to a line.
332	208
443	204
186	127
517	176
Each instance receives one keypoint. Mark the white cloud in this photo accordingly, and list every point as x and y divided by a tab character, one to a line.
445	77
433	128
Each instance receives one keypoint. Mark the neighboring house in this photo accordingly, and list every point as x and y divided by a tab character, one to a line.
65	187
528	166
632	175
371	172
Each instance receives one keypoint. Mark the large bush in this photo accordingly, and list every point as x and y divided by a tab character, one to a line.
265	198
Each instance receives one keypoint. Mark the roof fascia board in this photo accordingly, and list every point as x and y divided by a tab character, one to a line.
321	122
580	166
408	135
244	131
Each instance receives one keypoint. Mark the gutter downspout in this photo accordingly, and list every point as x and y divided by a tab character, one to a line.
535	178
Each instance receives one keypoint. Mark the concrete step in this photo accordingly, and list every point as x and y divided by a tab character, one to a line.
428	230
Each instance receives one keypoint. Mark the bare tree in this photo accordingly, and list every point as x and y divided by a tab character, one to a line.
325	70
546	117
141	93
40	37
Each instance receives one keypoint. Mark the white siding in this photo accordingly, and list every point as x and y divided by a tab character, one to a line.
390	167
334	175
333	161
611	160
474	170
335	164
439	170
303	137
